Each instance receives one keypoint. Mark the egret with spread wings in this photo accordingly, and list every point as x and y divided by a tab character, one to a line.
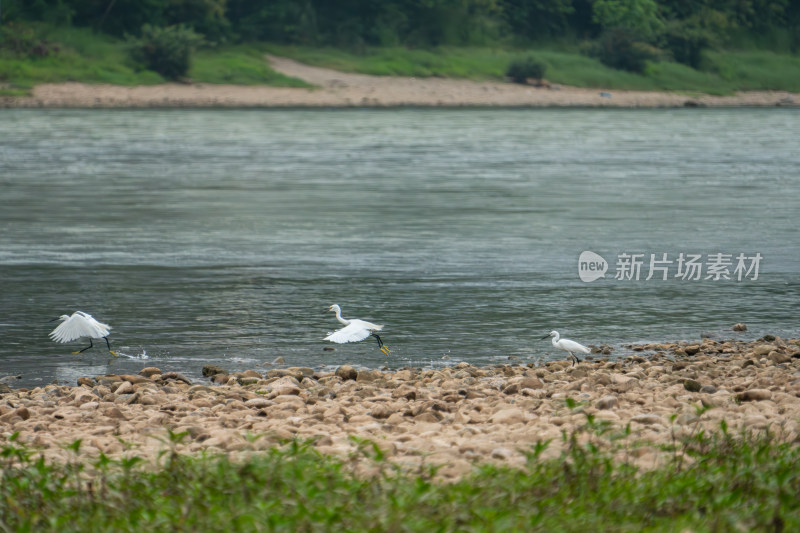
355	330
80	325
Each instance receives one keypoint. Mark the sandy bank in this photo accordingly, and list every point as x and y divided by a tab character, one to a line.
339	89
454	417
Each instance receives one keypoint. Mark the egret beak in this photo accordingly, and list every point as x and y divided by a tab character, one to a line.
543	338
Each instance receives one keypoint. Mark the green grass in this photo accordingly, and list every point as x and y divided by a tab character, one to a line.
724	72
240	65
94	58
756	70
734	483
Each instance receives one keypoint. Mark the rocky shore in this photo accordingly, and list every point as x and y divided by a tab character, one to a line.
454	417
341	89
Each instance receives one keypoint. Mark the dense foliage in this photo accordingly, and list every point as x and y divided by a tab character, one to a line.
428	22
627	35
166	50
522	69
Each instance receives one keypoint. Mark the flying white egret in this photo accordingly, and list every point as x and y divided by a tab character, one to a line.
355	330
567	345
79	325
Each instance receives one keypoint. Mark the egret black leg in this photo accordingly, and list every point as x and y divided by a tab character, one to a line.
380	342
112	352
90	345
575	357
382	346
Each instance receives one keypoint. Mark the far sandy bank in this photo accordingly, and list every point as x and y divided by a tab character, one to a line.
340	89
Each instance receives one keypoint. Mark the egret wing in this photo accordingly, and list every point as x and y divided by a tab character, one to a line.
92	321
352	333
573	346
77	326
368	325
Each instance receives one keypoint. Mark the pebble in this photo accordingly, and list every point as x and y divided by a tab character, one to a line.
450	416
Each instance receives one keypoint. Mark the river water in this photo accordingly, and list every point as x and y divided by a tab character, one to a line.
222	236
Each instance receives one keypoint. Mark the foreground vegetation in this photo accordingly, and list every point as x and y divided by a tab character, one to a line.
715	482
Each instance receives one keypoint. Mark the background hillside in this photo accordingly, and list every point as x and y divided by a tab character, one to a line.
713	46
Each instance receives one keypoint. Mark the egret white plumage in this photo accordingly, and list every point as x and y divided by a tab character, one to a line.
80	325
355	330
567	345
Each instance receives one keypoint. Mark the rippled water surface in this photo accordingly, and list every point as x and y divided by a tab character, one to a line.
223	235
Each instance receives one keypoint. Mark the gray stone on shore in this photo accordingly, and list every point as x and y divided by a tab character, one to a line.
149	371
754	395
692	385
456	415
607	402
347	372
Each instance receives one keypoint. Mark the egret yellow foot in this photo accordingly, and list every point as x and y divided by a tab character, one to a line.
385	350
112	352
76	353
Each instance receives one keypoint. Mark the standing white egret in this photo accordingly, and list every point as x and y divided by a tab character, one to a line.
355	330
80	325
567	345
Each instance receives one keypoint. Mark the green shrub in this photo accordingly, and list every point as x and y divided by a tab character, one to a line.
519	70
619	49
166	50
686	44
23	41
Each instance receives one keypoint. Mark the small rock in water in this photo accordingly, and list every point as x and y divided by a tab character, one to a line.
278	361
9	379
212	370
328	349
741	326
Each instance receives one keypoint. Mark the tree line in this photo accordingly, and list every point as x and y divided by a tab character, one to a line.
623	34
417	23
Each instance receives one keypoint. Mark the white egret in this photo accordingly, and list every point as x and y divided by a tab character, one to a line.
80	325
567	345
355	330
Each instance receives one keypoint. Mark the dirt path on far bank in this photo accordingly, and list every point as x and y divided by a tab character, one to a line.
340	89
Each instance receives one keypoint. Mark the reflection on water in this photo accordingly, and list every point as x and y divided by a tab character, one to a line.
223	236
